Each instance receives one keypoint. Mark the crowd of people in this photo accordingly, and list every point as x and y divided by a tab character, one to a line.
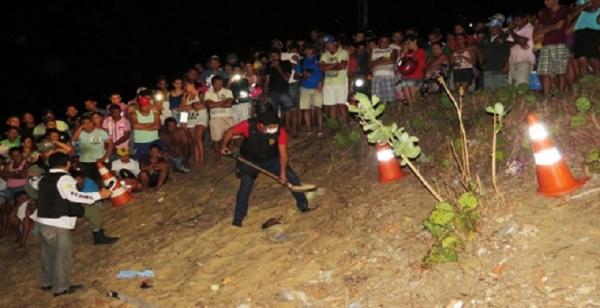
166	128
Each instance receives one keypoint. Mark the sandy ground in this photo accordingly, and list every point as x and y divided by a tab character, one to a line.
361	247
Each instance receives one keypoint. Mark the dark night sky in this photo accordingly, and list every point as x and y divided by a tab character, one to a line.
65	51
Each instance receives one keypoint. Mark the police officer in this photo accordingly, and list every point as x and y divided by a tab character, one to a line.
265	143
92	213
58	210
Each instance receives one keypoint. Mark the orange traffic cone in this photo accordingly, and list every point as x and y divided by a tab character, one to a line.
389	167
120	194
554	176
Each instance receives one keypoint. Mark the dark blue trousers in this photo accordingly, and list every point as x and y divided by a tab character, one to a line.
248	176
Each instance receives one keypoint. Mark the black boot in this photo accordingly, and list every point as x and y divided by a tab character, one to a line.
101	239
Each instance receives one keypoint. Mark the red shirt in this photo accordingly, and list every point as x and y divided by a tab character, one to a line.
243	128
549	18
421	58
352	65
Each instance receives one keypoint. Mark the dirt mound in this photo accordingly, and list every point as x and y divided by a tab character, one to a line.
362	246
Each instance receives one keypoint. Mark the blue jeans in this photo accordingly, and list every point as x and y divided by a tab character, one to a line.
248	176
281	100
493	80
142	150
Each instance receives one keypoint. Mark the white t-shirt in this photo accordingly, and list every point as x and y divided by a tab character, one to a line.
222	95
386	70
132	166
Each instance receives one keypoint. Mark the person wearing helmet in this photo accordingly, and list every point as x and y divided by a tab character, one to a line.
265	143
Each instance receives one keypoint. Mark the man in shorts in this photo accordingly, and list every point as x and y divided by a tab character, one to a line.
311	89
154	169
383	60
554	56
334	63
219	101
277	88
587	35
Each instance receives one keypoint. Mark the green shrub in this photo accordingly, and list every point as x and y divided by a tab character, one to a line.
578	121
332	124
583	104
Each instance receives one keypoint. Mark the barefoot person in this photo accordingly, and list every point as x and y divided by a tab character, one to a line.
265	143
59	205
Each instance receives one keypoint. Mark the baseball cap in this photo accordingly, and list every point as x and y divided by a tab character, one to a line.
266	114
123	152
499	17
45	146
328	38
495	23
215	57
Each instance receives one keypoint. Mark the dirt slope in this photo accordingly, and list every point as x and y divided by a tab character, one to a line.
362	247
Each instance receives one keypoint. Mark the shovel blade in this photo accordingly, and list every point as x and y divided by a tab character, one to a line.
303	188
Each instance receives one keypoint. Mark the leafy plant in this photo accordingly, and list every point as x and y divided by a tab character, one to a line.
450	225
464	161
332	124
592	160
530	99
522	88
578	120
418	124
404	145
446	102
583	104
346	139
498	111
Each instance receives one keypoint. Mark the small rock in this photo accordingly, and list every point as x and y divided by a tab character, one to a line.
276	234
325	276
161	199
455	304
509	229
529	230
243	306
227	280
482	252
214	287
355	305
286	296
290	296
585	290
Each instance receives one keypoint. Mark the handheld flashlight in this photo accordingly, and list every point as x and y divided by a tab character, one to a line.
236	77
159	96
244	94
359	82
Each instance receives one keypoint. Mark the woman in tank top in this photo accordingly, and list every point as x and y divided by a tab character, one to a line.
15	172
145	123
463	60
175	97
193	103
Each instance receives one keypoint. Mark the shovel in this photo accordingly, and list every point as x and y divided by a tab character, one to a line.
300	188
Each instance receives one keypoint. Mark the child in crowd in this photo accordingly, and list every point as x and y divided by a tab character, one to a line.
22	217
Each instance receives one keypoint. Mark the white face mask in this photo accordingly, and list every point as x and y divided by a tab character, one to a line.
271	130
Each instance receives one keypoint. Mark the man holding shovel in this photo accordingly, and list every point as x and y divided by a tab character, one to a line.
265	150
